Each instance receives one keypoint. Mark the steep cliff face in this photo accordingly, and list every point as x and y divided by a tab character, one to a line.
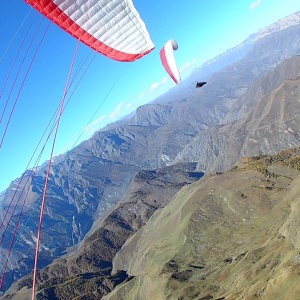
80	189
270	123
87	271
83	185
228	236
147	147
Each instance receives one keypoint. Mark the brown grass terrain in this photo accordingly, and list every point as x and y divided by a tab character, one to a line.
230	236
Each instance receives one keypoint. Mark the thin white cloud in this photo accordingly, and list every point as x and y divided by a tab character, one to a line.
164	80
194	61
91	128
255	4
66	148
157	84
117	111
154	86
119	108
185	66
143	94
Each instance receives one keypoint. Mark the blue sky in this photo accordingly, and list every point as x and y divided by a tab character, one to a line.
203	29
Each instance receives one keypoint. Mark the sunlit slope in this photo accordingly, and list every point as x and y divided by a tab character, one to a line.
231	236
270	122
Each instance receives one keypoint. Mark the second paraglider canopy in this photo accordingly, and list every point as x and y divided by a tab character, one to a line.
168	60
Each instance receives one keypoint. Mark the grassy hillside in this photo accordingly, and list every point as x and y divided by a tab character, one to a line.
231	236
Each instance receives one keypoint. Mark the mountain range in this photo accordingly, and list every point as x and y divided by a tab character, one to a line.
249	107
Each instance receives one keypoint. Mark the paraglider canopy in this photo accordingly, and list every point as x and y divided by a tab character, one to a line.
113	28
200	84
168	60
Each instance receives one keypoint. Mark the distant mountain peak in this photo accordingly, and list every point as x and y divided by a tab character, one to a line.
281	24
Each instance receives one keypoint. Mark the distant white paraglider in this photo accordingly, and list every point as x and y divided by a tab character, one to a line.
168	60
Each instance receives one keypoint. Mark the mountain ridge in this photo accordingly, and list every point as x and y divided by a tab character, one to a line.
89	180
90	264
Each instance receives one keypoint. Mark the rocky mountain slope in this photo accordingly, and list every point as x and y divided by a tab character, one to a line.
228	236
87	181
270	123
86	273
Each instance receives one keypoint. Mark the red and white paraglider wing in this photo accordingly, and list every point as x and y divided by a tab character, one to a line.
113	28
168	60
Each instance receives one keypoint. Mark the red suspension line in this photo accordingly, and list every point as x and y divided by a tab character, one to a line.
48	173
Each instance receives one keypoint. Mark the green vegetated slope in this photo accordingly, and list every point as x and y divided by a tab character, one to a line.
229	236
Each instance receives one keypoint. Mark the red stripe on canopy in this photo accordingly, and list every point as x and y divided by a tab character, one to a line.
55	14
165	63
